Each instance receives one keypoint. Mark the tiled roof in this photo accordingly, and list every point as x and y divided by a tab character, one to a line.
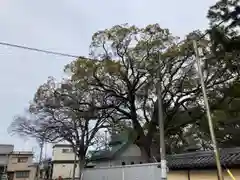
230	157
118	144
108	154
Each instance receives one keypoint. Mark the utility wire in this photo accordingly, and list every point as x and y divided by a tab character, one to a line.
75	56
38	50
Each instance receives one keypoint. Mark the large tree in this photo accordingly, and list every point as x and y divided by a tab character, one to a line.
122	68
226	46
64	112
226	11
224	17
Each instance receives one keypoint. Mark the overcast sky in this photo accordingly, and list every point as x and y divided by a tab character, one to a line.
66	26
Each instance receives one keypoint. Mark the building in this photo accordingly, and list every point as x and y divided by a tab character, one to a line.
196	165
186	166
20	166
201	164
5	150
121	151
63	161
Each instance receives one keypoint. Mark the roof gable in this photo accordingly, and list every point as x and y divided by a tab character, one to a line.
119	143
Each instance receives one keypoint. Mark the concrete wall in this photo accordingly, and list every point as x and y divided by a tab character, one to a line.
59	155
139	171
61	168
132	172
201	175
3	160
64	170
5	149
32	174
15	166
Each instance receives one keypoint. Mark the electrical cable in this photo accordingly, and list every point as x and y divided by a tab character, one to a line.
70	55
38	50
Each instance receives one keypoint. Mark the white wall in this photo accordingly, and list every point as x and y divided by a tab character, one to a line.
59	155
63	170
139	172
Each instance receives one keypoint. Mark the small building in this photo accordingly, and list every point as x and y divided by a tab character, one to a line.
121	151
5	150
20	166
63	161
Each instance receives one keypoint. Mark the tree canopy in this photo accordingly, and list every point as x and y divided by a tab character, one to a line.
122	68
62	112
116	86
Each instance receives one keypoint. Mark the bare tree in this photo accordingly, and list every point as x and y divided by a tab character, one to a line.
62	112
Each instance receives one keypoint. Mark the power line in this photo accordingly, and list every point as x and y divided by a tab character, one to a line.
38	50
75	56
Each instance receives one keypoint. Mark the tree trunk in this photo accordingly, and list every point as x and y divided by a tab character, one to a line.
145	146
81	163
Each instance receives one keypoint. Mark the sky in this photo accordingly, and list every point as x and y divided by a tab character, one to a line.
67	26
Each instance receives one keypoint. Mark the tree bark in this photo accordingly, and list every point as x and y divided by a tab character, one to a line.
81	163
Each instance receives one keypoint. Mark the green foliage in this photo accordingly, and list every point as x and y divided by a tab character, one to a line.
119	81
225	10
122	69
60	111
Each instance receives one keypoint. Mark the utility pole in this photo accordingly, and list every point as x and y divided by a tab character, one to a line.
160	120
41	143
213	138
74	163
161	124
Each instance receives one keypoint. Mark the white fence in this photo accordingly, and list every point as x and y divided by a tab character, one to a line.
129	172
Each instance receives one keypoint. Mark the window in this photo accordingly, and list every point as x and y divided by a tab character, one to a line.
69	150
22	174
132	162
123	163
22	159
